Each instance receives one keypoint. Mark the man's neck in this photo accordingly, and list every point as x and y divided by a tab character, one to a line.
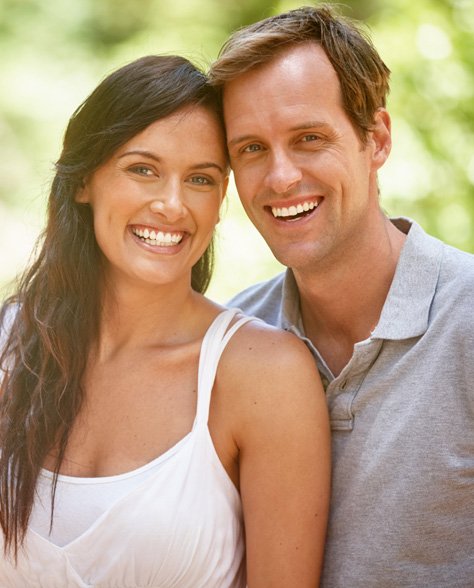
342	305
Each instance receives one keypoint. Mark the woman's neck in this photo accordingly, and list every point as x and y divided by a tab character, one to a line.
134	315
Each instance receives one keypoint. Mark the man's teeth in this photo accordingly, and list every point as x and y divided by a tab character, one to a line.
294	210
158	237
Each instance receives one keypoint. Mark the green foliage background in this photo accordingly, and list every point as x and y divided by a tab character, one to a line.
55	52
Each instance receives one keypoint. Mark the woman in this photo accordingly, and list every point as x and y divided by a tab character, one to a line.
118	467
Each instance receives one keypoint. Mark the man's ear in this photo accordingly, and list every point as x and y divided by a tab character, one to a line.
381	136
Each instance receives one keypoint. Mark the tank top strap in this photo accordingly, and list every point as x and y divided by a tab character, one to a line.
214	342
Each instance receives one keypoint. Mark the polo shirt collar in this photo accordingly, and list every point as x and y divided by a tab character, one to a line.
290	318
405	313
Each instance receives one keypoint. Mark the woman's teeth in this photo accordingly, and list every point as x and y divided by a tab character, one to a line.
294	210
158	237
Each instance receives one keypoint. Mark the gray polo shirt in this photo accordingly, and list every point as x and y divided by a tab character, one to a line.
402	418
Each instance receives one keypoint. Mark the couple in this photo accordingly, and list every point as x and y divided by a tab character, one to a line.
145	430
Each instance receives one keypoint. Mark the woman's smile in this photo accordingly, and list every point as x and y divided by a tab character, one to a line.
156	237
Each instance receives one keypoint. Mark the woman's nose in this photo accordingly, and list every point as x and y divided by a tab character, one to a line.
169	204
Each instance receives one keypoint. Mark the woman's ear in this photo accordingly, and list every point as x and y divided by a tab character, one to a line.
82	195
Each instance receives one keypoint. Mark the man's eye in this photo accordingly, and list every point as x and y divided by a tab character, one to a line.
312	137
141	170
252	148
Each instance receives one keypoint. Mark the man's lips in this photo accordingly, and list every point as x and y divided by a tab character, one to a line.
295	210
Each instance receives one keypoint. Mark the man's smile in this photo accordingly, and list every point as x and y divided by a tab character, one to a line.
294	211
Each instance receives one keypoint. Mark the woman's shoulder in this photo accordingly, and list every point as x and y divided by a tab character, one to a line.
257	340
268	378
261	358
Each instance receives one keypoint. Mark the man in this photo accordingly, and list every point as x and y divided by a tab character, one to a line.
386	310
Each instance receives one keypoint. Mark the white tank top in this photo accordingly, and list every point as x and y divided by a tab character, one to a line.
179	526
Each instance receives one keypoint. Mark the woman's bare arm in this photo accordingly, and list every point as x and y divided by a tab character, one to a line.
280	426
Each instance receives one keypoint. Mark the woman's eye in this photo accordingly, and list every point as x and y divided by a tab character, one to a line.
201	181
142	170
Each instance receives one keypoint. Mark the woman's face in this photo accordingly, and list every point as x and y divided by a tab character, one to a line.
156	201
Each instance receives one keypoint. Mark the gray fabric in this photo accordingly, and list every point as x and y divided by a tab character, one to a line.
402	512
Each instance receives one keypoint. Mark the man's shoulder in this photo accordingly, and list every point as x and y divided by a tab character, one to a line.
459	261
456	277
455	289
262	300
428	243
456	267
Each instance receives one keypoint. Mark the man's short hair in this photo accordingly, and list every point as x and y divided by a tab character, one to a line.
363	76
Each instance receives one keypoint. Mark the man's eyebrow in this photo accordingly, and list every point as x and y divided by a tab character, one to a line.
241	139
311	124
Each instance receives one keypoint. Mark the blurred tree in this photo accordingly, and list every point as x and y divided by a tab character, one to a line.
429	47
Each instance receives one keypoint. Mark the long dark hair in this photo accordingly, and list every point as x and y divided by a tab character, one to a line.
54	314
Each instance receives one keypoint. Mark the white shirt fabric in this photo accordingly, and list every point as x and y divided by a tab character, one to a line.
180	526
79	502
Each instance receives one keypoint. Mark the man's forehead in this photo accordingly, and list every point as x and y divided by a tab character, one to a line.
298	67
301	75
307	54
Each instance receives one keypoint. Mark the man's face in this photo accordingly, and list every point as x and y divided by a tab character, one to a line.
305	178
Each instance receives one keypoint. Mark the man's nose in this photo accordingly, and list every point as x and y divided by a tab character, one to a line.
283	173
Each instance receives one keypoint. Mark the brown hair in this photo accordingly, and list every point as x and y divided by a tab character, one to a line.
48	325
363	76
